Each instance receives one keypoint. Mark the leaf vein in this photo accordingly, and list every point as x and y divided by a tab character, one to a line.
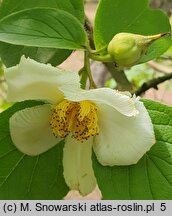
129	182
166	142
136	18
160	158
160	171
7	153
32	174
150	188
67	29
57	172
12	170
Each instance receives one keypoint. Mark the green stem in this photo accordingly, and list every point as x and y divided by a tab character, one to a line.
84	76
98	51
88	70
102	58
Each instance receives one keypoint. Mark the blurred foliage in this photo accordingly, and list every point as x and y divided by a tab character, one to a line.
111	83
140	74
166	58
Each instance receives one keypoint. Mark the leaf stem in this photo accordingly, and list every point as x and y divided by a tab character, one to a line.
103	49
83	77
102	58
88	70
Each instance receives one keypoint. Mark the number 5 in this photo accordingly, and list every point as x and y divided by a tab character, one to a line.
163	207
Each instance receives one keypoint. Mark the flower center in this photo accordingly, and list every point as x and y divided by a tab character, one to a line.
79	118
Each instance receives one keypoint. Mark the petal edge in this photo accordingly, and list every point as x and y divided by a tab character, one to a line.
123	140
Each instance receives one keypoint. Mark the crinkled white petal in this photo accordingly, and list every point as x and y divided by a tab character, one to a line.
118	100
32	80
30	130
77	163
123	140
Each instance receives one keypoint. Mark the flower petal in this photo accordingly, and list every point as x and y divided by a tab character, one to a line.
121	101
30	130
77	163
123	140
37	81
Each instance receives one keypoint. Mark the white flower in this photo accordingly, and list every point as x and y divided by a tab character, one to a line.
117	126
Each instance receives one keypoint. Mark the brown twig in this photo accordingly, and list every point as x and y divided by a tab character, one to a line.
152	84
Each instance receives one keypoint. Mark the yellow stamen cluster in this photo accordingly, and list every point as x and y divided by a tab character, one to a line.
78	118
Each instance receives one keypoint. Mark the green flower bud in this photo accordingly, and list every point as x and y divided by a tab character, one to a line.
127	49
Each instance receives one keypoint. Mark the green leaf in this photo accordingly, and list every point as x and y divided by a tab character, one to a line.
10	54
52	29
1	68
74	7
151	177
131	16
24	177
